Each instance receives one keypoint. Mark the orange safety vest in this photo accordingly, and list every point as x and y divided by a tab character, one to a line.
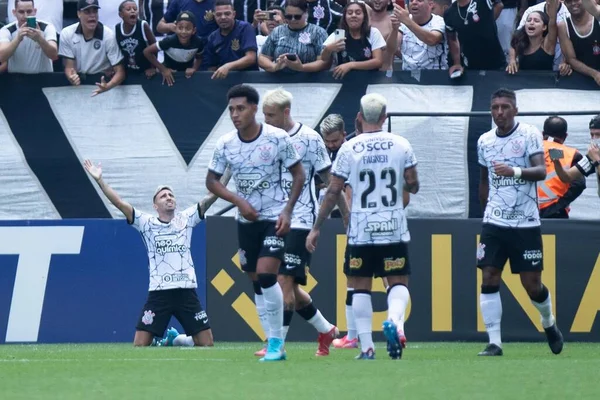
553	188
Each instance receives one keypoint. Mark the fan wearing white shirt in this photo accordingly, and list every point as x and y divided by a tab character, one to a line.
422	38
28	50
47	10
360	49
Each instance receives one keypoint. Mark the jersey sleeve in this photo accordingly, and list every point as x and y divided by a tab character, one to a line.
218	163
140	220
192	215
480	157
65	47
248	42
287	152
4	35
268	48
437	24
448	20
318	151
172	11
50	33
585	166
410	160
341	165
535	142
167	42
376	39
113	52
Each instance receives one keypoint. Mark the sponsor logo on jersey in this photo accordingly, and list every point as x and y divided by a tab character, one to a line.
382	228
247	183
378	145
392	264
499	181
511	215
166	244
169	278
355	263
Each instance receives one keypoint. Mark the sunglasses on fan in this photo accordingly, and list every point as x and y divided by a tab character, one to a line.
296	17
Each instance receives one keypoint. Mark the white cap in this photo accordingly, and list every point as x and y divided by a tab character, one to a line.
159	188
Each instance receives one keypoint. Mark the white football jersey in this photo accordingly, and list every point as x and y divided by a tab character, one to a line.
312	151
256	168
511	202
168	245
373	165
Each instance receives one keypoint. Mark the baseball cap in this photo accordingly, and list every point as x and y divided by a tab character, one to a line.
85	4
186	16
159	188
595	122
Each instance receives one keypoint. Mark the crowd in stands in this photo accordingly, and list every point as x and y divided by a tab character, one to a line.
116	37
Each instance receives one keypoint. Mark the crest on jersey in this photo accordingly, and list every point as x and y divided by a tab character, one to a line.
319	12
97	44
358	147
265	153
148	317
517	146
179	222
235	45
304	38
480	251
367	52
596	49
208	15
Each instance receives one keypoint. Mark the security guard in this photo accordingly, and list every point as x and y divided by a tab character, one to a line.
554	196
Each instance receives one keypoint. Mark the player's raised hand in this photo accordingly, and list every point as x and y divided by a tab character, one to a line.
501	169
95	171
282	226
311	240
247	211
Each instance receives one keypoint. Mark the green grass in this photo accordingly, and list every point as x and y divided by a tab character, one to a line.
230	371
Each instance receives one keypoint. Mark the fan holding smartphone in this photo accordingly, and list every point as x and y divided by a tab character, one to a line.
35	42
356	45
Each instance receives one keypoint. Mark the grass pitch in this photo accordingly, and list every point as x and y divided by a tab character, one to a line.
230	371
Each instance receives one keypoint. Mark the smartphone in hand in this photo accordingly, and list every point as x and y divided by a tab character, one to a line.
291	57
556	154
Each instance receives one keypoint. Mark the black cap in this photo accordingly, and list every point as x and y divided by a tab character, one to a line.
85	4
186	16
595	122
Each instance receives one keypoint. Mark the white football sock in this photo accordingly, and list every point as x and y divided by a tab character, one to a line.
273	297
320	323
351	323
398	299
545	309
491	309
363	315
284	331
259	300
183	340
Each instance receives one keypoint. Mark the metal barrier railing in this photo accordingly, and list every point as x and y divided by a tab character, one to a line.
482	114
457	114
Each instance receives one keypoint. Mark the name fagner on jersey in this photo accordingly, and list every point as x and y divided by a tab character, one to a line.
511	202
168	244
256	168
373	165
312	151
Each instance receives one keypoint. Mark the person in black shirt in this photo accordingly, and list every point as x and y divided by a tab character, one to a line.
533	46
133	36
473	23
183	50
579	37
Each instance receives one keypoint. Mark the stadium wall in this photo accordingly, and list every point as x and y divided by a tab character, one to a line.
86	281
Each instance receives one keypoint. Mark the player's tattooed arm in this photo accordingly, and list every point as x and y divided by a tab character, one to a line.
341	203
210	199
484	188
336	184
95	172
411	180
